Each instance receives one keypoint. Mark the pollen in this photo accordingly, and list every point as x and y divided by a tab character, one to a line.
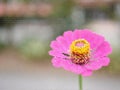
80	51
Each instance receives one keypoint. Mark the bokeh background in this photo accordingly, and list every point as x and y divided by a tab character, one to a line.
28	26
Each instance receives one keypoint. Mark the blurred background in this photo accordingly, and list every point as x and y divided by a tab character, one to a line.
27	28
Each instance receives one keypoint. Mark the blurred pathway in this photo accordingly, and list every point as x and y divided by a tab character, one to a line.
49	81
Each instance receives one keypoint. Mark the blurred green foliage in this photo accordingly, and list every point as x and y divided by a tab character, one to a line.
34	49
2	46
114	66
62	8
61	17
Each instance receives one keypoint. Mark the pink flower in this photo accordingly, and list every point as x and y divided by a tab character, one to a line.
80	51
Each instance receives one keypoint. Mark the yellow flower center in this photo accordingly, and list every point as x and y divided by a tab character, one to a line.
80	51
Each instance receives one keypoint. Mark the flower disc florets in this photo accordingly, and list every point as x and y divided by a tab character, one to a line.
80	51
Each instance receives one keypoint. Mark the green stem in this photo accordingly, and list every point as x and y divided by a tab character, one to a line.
80	82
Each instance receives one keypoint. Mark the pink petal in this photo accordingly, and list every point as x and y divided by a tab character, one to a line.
68	35
93	65
76	34
87	73
56	62
103	50
97	64
55	45
63	44
94	39
68	65
105	61
56	53
77	69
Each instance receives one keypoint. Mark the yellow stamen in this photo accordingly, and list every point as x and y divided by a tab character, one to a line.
80	51
84	48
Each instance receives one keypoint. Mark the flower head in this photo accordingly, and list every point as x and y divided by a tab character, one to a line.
80	51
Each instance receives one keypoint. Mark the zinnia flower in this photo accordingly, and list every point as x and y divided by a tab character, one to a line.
80	51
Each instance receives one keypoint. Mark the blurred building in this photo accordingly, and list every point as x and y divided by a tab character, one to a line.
98	9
